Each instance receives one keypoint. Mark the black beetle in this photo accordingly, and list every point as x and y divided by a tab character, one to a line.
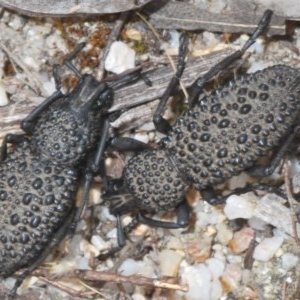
39	175
221	135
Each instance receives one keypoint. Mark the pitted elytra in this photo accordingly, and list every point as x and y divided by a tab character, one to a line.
222	134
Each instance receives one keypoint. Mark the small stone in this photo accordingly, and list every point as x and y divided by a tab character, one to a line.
289	261
231	277
174	243
120	58
32	63
241	240
215	266
239	207
224	234
267	248
199	250
82	263
148	127
238	181
99	243
257	223
88	249
3	96
169	262
133	34
198	278
142	137
130	267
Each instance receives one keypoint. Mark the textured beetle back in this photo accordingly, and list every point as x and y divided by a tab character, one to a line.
152	178
227	131
63	136
36	198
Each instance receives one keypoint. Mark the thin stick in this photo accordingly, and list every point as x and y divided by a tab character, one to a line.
186	95
133	279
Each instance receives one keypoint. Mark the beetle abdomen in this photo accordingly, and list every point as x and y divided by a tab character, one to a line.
36	198
231	128
154	181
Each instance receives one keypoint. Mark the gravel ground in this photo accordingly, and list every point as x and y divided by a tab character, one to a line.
243	250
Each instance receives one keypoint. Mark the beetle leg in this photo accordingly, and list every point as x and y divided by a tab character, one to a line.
92	168
161	124
28	123
263	171
183	217
259	186
9	139
72	55
197	87
210	196
128	144
121	240
129	77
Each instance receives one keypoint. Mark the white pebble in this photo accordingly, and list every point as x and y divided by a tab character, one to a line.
232	276
120	58
16	23
216	290
142	137
130	267
198	278
238	207
238	181
148	126
256	66
267	248
280	233
169	262
174	243
3	96
289	261
224	234
49	87
88	249
104	214
215	266
112	234
98	242
138	297
34	64
257	223
82	263
174	39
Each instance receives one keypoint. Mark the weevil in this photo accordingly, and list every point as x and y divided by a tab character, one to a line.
63	142
222	134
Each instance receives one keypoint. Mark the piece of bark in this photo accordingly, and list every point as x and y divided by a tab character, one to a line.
182	15
67	8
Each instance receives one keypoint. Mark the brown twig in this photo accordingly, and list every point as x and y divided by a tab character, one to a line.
166	283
